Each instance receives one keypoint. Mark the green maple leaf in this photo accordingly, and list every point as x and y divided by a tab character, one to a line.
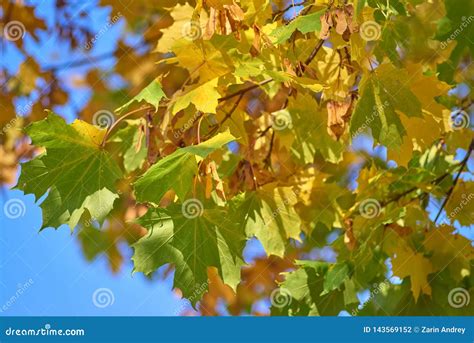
132	145
335	277
308	128
152	94
457	25
383	97
270	216
192	241
176	171
75	171
460	206
304	24
300	281
305	287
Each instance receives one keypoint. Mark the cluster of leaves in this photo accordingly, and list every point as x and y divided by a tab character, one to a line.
248	131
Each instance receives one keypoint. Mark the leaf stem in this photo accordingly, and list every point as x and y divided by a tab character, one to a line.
114	125
245	90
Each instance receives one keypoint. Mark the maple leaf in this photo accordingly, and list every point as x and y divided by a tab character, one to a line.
408	263
176	171
303	291
304	24
203	97
451	28
449	250
269	215
152	94
335	277
382	95
182	22
460	206
75	171
192	243
308	120
132	145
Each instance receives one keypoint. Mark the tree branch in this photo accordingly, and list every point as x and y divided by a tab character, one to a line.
268	158
313	53
262	83
451	189
93	59
245	90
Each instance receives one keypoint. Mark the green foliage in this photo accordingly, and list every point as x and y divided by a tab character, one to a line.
254	141
152	94
176	171
193	241
75	171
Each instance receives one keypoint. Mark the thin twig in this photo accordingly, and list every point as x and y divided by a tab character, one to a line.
313	54
451	189
410	190
232	110
269	154
227	116
199	129
93	59
110	129
264	132
245	90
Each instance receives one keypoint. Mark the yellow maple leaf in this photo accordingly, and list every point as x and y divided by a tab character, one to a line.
93	134
449	251
408	263
204	97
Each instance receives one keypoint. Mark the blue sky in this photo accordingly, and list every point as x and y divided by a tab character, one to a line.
63	282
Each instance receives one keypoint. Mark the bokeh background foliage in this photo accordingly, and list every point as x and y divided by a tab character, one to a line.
267	157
